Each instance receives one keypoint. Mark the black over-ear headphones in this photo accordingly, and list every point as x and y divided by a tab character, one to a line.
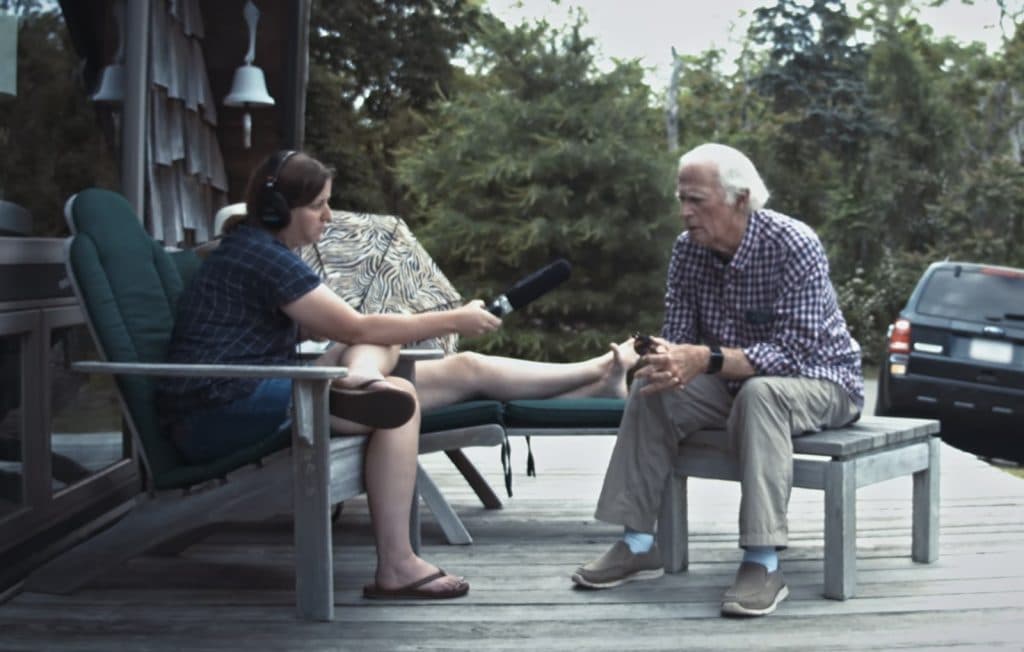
276	213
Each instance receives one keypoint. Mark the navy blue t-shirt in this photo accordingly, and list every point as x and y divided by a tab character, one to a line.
231	314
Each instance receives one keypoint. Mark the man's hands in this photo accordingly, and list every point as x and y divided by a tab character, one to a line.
671	365
473	319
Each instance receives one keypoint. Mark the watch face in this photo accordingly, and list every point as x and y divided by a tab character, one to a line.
716	360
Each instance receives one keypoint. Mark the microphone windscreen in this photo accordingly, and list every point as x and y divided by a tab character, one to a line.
540	282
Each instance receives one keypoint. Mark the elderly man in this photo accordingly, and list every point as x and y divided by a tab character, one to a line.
753	343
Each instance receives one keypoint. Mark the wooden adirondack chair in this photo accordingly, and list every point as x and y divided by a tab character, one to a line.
128	286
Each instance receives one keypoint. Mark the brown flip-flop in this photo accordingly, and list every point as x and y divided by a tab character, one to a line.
384	407
415	591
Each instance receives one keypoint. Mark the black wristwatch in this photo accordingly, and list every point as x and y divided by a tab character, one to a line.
716	360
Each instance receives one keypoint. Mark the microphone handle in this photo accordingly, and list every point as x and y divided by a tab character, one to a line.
500	306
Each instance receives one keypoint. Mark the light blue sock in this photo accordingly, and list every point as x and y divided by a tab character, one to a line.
764	555
638	542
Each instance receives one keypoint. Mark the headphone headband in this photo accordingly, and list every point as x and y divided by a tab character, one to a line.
283	157
276	212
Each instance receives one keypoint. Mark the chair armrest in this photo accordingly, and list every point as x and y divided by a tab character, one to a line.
420	354
211	370
407	358
237	370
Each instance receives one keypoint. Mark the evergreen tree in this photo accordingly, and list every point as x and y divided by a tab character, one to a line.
813	79
375	67
539	156
51	135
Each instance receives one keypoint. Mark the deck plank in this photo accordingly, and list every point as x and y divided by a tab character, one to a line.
235	588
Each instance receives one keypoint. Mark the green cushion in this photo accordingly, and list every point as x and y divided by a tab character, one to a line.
565	413
129	286
187	263
462	415
186	475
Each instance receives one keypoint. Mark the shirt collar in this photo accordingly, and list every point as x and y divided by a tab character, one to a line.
755	224
249	232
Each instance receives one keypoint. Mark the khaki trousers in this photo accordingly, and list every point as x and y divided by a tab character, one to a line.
759	423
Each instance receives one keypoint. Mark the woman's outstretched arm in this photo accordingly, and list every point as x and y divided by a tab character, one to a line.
323	312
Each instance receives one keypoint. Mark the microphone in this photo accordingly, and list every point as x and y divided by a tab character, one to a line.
531	287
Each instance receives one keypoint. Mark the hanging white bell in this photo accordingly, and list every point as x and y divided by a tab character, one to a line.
111	88
249	85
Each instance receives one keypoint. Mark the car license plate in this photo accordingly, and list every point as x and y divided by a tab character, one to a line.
991	351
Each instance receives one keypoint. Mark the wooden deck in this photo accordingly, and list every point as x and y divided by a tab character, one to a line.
234	590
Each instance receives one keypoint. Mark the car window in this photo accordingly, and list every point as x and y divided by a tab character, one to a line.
973	294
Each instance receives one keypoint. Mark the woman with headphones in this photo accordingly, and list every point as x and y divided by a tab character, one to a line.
245	305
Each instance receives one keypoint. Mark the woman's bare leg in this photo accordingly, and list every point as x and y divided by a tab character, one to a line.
364	361
390	469
467	375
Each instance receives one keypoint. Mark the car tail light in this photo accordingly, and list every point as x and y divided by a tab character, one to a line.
899	347
899	337
1002	271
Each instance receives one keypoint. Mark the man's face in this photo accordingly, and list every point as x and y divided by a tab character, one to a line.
712	221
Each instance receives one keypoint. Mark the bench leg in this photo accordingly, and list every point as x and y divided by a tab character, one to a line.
925	537
673	528
454	531
840	529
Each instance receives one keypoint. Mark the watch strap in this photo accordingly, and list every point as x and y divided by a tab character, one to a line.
716	360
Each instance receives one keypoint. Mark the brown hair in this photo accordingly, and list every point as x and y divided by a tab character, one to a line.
299	180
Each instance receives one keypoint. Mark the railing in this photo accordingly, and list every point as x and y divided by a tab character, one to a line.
64	462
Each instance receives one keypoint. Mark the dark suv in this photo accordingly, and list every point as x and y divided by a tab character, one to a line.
956	353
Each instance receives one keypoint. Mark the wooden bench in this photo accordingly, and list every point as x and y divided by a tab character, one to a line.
838	462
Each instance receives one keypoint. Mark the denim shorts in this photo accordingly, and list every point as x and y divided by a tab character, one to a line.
205	435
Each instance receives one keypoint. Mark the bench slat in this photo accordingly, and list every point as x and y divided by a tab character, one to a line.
870	433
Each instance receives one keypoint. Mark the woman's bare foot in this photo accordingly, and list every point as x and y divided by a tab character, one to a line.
628	355
623	357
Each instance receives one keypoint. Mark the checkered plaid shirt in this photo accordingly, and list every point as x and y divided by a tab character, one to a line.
231	314
773	300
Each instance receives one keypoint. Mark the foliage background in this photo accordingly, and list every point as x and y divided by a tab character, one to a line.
505	146
898	147
39	168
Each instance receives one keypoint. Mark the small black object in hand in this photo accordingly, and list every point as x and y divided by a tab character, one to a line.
643	344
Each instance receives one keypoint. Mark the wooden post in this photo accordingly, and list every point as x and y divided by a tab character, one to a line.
314	564
136	95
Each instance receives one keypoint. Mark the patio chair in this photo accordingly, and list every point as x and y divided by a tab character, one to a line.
128	286
376	251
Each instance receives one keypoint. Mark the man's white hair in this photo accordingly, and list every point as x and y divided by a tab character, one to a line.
736	172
